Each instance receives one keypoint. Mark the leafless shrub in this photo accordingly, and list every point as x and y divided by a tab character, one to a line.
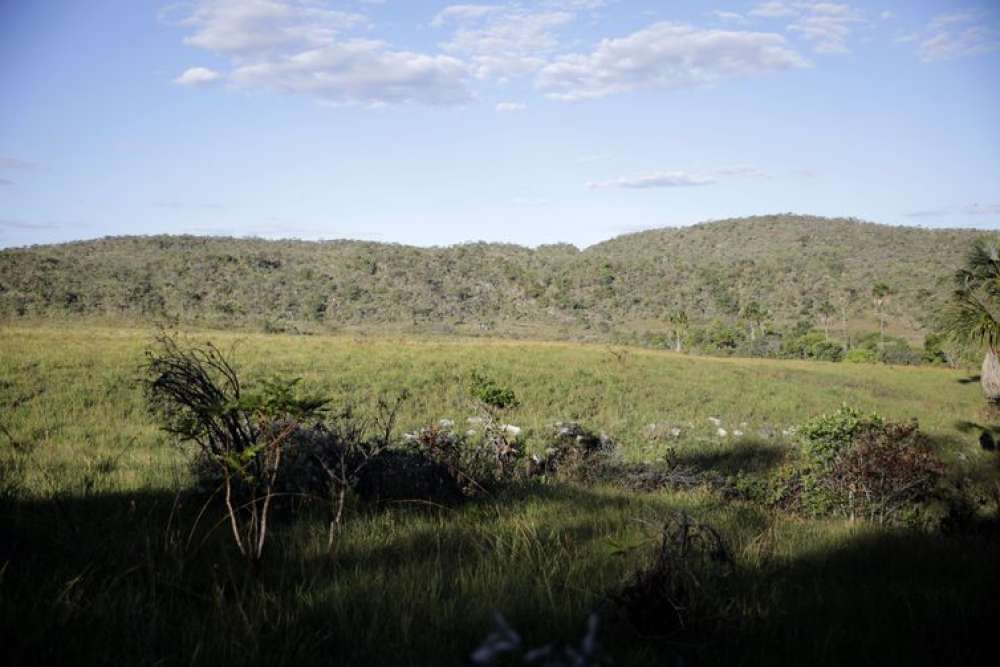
663	598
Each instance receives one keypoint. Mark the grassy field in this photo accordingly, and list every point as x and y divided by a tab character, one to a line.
99	564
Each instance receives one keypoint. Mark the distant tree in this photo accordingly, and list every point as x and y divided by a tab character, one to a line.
826	311
847	297
880	296
678	320
755	315
974	314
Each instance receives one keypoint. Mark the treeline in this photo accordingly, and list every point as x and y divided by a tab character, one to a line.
751	285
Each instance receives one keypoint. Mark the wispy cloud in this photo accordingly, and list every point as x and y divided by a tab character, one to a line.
928	213
507	107
982	209
665	56
680	179
182	205
503	41
954	36
26	225
772	10
197	76
741	170
7	162
827	25
975	209
665	179
5	182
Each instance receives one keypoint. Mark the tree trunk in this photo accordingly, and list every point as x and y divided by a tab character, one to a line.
989	378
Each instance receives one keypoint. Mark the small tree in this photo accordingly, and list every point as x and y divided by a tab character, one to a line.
241	434
846	298
755	315
826	312
880	296
678	320
974	314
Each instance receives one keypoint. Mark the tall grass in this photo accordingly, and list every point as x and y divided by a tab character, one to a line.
99	564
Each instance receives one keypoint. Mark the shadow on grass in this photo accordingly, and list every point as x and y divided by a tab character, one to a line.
970	379
748	456
418	586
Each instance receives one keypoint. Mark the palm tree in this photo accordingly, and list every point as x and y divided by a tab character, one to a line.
826	311
974	315
679	320
880	295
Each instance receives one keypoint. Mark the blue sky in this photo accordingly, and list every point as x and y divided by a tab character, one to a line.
433	123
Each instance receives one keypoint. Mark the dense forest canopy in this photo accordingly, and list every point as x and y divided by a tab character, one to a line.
789	269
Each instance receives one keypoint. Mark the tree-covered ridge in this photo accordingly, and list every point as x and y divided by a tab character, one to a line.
780	270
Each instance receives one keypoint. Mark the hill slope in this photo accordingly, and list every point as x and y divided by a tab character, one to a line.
789	264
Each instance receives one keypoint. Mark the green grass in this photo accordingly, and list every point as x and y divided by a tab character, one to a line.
99	564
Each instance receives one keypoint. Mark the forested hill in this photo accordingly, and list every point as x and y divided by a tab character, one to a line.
789	264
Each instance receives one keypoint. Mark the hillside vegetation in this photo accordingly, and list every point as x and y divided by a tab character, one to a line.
621	290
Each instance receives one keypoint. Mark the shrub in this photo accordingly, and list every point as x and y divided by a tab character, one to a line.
866	467
899	353
477	464
887	474
491	394
675	590
826	436
860	355
240	435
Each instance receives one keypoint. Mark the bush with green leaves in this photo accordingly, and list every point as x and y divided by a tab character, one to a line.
864	466
826	436
491	394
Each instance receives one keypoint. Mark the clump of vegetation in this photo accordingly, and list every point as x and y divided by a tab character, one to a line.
481	460
866	467
241	435
677	588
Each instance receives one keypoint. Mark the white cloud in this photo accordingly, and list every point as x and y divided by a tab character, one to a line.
951	36
196	76
827	24
943	21
511	106
665	179
886	15
503	41
361	71
249	26
303	47
460	13
772	10
729	16
5	182
665	56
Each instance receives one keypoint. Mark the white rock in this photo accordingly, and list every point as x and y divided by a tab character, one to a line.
738	434
722	433
675	432
513	430
446	423
715	421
